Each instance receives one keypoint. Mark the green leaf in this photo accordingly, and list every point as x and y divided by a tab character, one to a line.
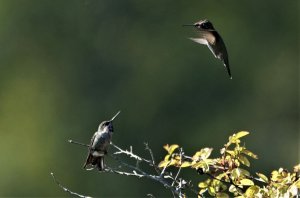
211	191
293	191
239	172
232	153
163	164
246	182
202	154
262	177
275	176
222	150
202	191
237	162
241	134
252	191
203	185
297	168
216	183
232	189
186	164
170	149
244	160
297	183
222	195
202	164
235	137
235	173
167	157
221	176
244	172
250	154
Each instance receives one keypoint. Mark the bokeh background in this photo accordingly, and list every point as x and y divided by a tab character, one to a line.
67	65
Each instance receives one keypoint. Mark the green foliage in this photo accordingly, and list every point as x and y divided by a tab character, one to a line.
228	174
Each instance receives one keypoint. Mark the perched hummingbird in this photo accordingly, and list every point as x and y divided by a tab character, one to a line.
99	144
210	37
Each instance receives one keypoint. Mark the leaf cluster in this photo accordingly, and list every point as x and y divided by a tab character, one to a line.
229	174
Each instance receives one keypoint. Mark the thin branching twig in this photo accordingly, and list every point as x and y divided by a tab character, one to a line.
136	171
141	173
152	158
129	153
133	173
66	189
79	143
165	178
179	169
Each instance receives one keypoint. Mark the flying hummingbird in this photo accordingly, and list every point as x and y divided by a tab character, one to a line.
210	37
99	144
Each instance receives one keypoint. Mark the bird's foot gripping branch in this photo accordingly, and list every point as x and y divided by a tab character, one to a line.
227	175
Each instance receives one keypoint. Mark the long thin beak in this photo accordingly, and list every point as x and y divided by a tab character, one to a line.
115	116
188	25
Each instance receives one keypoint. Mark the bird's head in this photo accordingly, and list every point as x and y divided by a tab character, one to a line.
107	126
202	25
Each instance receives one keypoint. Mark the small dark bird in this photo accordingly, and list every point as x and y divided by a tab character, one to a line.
99	144
210	37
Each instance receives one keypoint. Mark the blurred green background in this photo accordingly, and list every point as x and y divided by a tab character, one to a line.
67	65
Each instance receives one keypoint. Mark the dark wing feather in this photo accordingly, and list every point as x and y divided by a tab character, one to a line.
89	159
219	50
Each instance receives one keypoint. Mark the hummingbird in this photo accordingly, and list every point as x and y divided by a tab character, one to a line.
210	37
99	144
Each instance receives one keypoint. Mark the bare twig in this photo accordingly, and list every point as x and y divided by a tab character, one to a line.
164	169
129	153
150	195
149	176
79	143
66	189
133	173
152	158
179	169
136	171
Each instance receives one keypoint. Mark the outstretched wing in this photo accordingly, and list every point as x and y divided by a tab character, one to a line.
199	40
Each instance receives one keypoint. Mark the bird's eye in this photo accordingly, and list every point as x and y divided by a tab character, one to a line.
204	26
